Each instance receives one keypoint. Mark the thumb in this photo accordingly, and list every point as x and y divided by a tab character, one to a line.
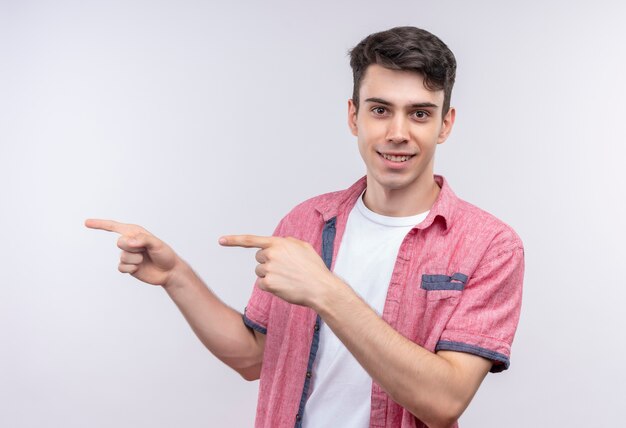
158	251
138	242
150	242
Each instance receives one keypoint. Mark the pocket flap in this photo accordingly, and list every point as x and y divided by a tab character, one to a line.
444	282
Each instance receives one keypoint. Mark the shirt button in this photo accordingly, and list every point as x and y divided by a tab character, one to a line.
298	417
317	327
308	375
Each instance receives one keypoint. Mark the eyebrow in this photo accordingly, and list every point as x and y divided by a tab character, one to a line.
387	103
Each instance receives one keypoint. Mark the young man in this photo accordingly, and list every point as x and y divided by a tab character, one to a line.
383	305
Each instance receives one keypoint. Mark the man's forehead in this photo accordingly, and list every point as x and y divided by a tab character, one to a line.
381	82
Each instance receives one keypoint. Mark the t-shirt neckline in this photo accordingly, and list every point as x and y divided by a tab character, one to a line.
411	220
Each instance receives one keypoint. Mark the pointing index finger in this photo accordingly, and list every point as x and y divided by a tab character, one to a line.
108	225
246	241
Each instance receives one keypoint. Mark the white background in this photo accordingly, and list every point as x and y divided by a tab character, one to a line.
197	119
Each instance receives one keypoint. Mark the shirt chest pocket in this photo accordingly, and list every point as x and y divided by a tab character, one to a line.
439	295
443	286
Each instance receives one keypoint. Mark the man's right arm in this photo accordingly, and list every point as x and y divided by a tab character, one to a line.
219	327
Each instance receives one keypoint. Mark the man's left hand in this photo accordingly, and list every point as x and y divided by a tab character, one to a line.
288	268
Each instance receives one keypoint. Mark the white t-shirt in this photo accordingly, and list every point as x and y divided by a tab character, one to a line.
340	388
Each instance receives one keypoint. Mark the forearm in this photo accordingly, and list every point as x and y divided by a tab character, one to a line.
219	327
424	383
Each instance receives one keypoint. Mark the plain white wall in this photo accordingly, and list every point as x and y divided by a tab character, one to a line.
197	119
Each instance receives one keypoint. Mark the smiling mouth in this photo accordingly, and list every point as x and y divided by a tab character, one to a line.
394	158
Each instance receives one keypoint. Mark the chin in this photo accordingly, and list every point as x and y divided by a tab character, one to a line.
397	184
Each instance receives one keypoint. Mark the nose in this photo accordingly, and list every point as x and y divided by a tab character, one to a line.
398	131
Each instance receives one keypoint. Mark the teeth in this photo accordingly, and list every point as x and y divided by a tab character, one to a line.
395	158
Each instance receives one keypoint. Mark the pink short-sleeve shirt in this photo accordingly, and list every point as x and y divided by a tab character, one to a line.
456	285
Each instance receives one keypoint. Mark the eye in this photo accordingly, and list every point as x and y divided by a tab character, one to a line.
379	111
421	114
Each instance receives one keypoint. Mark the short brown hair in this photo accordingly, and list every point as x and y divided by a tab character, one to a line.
408	49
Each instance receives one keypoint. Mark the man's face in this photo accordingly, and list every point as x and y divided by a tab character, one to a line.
398	126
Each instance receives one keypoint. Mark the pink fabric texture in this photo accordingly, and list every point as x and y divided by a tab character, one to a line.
456	285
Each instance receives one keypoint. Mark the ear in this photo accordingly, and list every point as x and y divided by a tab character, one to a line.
352	113
446	125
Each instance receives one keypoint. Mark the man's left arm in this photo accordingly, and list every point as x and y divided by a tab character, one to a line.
436	388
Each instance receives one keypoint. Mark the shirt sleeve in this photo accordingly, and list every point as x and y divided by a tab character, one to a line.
487	315
256	314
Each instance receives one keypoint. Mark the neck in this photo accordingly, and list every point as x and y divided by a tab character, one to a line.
404	202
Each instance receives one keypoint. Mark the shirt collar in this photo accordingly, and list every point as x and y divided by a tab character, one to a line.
343	201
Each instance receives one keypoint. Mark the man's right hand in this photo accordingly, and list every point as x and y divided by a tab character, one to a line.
219	327
144	256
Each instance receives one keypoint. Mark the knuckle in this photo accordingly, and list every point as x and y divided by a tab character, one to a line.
261	270
265	285
131	258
